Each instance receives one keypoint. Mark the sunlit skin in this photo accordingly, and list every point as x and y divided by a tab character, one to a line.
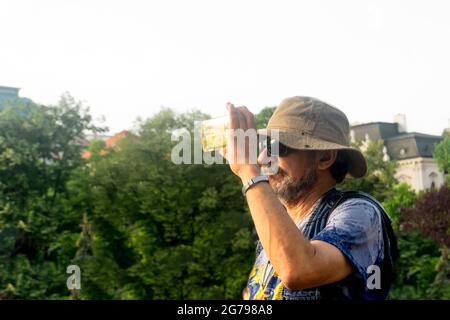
299	262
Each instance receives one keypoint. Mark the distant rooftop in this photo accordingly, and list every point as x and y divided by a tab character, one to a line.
371	123
9	97
415	135
400	145
9	92
110	141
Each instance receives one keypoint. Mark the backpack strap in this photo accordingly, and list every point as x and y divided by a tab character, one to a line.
319	217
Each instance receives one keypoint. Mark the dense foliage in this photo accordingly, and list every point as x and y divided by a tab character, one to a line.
442	154
38	224
430	216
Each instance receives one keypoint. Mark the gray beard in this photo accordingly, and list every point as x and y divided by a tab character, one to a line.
289	190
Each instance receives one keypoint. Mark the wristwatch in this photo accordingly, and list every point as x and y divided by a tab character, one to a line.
252	182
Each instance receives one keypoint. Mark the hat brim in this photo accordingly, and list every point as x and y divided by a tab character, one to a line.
305	141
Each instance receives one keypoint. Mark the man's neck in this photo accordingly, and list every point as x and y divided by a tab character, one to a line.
303	208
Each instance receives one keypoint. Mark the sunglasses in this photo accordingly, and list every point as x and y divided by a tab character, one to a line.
275	147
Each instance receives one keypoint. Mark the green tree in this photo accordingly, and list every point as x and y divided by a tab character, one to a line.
379	180
39	149
442	155
160	230
402	197
262	117
440	288
415	270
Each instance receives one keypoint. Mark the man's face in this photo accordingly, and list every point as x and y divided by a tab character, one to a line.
296	175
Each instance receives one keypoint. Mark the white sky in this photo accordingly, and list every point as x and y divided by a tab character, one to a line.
371	59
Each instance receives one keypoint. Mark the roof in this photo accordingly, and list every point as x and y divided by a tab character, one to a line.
9	93
414	135
371	123
13	88
111	142
411	145
375	130
399	145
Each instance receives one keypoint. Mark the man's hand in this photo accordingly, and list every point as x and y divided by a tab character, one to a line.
237	151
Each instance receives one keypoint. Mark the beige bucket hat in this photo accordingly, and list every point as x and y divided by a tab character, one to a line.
307	123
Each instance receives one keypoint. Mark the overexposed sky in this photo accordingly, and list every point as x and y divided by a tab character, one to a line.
126	58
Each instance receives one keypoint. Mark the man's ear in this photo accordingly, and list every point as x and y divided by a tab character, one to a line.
326	159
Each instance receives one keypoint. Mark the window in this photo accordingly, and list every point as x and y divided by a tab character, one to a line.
433	179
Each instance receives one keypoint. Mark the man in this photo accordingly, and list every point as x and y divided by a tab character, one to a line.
315	242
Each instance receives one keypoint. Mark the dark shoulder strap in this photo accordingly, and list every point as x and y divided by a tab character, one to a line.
319	217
